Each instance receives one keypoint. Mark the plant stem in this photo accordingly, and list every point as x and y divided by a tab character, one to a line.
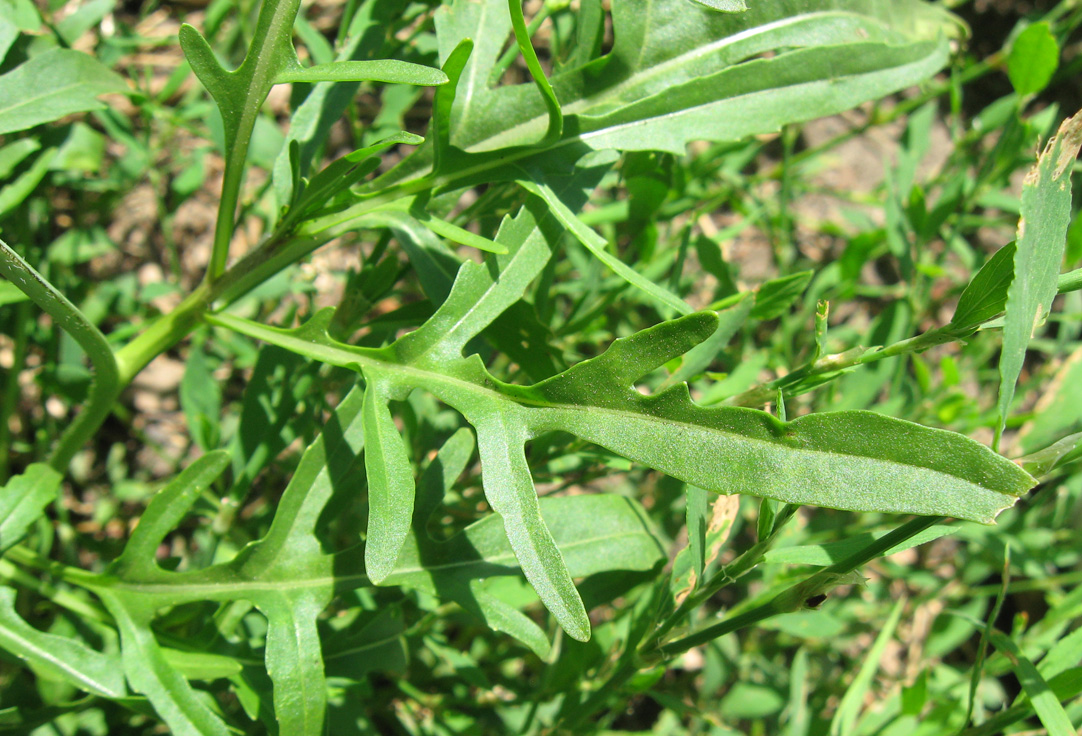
270	51
104	390
11	386
759	395
163	333
792	599
1070	281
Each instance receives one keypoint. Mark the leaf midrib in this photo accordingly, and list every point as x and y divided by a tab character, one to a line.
431	381
216	589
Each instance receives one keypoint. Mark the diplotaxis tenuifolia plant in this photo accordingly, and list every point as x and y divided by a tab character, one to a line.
529	205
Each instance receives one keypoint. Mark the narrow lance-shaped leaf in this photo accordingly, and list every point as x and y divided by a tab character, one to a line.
598	247
709	75
986	294
57	656
444	102
510	490
294	659
165	511
23	500
390	481
1042	236
388	71
525	46
148	672
51	85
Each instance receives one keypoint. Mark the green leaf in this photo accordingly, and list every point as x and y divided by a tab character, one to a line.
1033	59
598	247
1044	701
23	500
390	481
501	435
202	665
149	672
723	6
388	71
165	511
325	103
592	534
679	73
853	460
986	295
341	174
831	552
58	657
1041	463
1042	236
286	574
777	295
456	234
53	84
699	358
443	105
525	47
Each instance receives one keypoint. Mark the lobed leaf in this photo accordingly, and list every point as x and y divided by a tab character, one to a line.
707	75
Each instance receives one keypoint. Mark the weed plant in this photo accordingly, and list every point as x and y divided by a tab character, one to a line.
427	368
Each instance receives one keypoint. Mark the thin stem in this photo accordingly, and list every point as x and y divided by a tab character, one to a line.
792	599
271	51
45	588
761	394
1070	281
11	387
104	390
163	333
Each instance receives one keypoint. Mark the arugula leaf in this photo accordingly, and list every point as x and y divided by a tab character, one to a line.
850	460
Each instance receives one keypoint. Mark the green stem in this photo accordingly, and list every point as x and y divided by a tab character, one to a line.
46	589
759	395
792	599
11	387
270	52
1070	281
106	385
163	333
